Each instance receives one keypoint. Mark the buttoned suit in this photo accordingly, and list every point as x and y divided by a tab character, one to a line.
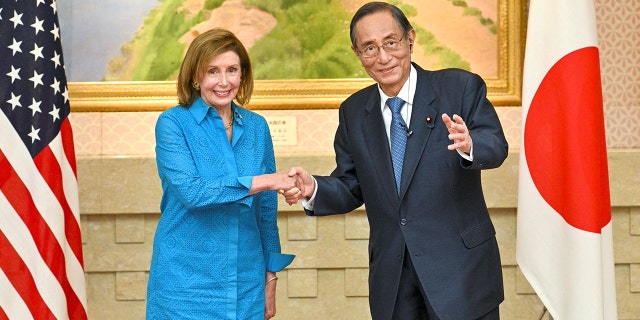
439	215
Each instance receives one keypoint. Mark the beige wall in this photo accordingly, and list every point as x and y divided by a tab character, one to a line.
120	192
328	279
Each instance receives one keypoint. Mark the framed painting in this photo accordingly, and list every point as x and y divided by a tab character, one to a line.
300	50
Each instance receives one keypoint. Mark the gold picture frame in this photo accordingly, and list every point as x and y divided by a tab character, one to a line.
128	96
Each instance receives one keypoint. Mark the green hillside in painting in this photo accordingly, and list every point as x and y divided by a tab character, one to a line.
309	39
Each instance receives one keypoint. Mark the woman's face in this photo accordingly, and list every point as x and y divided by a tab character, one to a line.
221	80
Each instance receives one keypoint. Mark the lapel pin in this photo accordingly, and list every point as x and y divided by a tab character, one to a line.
429	119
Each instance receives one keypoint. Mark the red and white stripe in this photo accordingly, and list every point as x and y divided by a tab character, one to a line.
41	267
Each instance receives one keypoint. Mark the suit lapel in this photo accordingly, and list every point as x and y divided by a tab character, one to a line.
377	143
423	119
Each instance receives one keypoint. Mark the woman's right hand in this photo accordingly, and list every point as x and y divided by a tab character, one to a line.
279	181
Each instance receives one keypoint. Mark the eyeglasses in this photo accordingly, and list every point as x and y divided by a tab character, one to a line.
373	50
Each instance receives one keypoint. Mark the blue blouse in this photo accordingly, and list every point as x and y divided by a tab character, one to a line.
214	242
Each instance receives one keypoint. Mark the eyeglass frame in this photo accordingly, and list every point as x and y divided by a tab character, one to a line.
384	46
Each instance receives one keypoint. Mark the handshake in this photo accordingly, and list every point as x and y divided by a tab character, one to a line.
294	184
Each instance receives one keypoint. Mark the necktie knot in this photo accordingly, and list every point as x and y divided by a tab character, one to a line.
395	104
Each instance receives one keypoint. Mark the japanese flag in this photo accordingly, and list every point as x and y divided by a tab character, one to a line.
564	235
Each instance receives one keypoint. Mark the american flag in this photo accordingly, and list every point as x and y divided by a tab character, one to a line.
41	267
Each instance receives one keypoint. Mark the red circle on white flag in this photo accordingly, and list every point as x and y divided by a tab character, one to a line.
565	144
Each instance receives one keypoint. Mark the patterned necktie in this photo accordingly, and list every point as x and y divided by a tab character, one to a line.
398	133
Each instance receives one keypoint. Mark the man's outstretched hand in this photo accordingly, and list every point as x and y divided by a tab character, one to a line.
305	186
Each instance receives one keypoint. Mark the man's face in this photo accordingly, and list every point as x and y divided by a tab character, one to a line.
389	68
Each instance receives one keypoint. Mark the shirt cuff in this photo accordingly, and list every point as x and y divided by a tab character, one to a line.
277	261
469	156
245	181
308	203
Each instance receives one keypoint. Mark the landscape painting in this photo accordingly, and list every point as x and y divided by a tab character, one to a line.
145	40
118	51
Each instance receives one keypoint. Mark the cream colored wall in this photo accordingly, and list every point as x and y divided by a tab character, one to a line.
328	279
120	192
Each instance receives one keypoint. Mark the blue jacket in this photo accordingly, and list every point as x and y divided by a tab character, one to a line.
213	243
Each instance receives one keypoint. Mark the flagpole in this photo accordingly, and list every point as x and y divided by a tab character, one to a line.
545	311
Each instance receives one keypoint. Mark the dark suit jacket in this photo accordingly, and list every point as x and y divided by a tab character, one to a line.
440	215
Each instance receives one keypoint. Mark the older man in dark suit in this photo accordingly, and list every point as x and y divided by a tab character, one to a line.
416	165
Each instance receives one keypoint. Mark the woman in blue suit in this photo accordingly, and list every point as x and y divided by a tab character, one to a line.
216	250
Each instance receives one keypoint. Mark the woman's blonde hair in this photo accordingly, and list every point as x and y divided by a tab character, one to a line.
202	49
